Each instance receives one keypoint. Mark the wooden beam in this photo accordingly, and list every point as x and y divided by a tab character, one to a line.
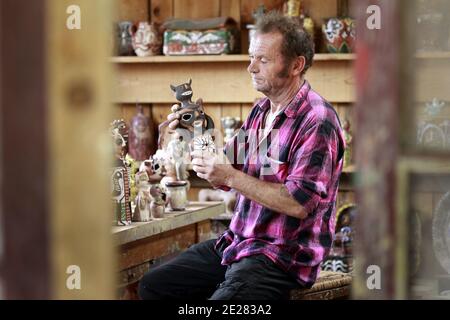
25	266
79	154
377	115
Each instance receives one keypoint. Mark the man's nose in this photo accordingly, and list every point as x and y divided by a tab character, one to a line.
252	68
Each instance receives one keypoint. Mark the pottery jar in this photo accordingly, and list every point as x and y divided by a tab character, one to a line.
177	194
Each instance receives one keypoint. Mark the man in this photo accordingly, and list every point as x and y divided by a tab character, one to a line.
287	183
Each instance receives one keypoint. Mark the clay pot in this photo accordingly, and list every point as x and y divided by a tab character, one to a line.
339	35
124	38
141	140
177	194
146	40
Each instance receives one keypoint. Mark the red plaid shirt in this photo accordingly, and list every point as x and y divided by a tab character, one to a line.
304	151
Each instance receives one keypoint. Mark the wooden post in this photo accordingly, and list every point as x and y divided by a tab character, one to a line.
80	151
24	162
378	70
54	151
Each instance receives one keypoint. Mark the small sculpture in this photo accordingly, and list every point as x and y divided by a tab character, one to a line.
157	206
229	124
147	41
120	193
142	212
140	136
178	151
348	157
192	114
124	41
120	179
192	117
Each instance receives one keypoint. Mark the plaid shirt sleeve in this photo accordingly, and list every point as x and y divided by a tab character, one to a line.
313	164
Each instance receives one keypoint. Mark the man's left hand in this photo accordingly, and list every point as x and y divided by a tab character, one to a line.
216	169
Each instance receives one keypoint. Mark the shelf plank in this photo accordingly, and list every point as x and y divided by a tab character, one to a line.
219	79
218	58
195	212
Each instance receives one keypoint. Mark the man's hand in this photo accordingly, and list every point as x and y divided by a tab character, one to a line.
174	117
216	169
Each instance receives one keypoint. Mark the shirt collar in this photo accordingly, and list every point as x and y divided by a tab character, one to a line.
293	107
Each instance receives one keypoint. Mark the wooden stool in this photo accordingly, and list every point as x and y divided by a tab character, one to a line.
329	286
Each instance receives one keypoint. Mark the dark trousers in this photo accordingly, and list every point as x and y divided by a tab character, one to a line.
197	274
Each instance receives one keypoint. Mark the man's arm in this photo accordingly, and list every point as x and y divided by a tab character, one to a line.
274	196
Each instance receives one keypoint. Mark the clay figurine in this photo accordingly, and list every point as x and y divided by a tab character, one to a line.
157	206
147	41
192	114
120	179
124	41
142	211
140	137
178	152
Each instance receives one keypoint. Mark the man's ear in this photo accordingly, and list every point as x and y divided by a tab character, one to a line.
298	65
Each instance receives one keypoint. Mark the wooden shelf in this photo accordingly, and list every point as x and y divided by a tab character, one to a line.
433	55
217	58
220	79
195	212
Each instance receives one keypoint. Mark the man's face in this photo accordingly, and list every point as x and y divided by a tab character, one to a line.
267	66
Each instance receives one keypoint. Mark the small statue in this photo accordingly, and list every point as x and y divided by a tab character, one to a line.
146	40
192	119
229	125
140	137
120	180
349	144
178	152
157	206
142	212
120	140
192	114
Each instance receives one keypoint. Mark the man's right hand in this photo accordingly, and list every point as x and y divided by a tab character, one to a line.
174	117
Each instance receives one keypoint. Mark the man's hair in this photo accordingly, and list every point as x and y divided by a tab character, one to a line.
296	41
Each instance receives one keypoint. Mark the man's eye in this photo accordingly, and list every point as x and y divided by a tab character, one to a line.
263	61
